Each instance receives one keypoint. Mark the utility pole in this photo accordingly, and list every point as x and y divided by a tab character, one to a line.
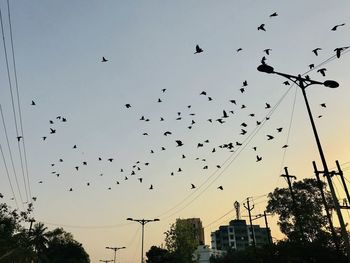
295	209
115	249
251	221
340	173
268	232
326	207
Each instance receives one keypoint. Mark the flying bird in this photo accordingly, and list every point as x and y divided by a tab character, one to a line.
322	71
193	186
336	26
316	50
279	129
339	50
203	93
267	51
258	158
239	49
33	103
262	27
286	83
127	105
104	59
245	83
267	106
44	138
311	66
269	137
52	131
323	105
274	14
220	187
167	133
198	50
179	143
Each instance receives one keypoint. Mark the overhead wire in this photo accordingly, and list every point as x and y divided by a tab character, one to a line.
13	105
10	154
18	99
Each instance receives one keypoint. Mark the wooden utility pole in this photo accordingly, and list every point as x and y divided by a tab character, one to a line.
251	221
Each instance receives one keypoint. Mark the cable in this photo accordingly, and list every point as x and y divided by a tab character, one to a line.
18	98
228	212
86	227
10	153
13	103
8	176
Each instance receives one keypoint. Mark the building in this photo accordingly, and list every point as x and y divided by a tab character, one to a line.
237	235
198	230
203	254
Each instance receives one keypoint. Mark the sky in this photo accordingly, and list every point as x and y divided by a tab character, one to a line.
150	46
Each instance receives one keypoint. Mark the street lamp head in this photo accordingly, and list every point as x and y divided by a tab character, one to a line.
266	69
156	219
331	84
129	218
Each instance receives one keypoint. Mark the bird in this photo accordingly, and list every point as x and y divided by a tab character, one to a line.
214	150
145	134
243	106
336	26
279	129
193	186
44	138
258	158
220	187
245	83
205	167
339	50
258	123
60	160
210	98
267	51
104	59
84	163
220	121
274	14
161	119
224	114
270	137
286	83
74	146
179	170
19	138
151	187
183	156
167	133
50	121
262	27
179	143
323	105
70	189
40	182
88	184
198	50
140	179
285	146
110	159
243	124
218	166
203	93
199	145
52	131
233	101
76	168
239	49
242	90
1	195
159	100
311	66
316	51
322	71
163	90
238	143
243	132
267	106
64	120
163	148
263	59
33	103
251	114
127	105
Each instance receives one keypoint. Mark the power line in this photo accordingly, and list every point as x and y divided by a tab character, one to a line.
13	103
8	176
216	220
10	153
18	97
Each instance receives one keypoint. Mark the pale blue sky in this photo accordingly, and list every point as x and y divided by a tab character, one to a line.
150	46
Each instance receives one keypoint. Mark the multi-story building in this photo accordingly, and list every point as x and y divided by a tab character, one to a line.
198	230
238	235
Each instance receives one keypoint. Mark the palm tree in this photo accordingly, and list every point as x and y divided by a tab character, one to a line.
39	239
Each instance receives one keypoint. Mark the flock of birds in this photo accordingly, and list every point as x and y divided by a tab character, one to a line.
220	119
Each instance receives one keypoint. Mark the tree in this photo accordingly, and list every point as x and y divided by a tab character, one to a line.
158	255
309	211
180	241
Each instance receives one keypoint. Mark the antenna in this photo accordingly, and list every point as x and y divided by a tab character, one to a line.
238	210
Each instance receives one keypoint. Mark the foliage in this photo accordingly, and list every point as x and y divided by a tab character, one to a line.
309	212
17	244
158	255
180	241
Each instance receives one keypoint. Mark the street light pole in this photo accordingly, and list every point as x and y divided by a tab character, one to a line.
143	222
115	251
303	83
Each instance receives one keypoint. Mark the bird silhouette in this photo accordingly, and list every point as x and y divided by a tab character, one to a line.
221	187
233	101
127	105
316	50
151	187
243	132
198	50
279	129
258	158
104	59
74	146
339	50
33	103
179	143
274	14
270	137
76	168
285	146
70	189
323	105
239	49
322	71
286	83
311	66
110	160
336	26
243	124
193	186
179	170
267	106
267	51
52	131
245	83
19	138
163	90
159	100
44	138
224	114
262	27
